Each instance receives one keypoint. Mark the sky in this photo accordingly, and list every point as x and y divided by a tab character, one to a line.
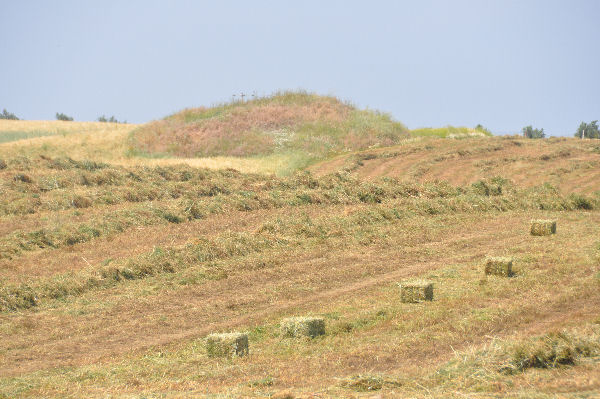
503	64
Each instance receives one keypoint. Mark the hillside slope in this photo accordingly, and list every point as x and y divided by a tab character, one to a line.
573	165
309	125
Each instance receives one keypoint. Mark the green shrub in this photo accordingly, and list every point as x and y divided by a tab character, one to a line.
62	117
588	130
532	133
8	115
112	119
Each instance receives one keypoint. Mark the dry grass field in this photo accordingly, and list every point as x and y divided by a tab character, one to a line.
111	142
114	267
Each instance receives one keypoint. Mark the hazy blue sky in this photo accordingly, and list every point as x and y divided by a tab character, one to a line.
503	64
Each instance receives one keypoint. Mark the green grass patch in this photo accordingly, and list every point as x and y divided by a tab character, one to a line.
449	131
8	136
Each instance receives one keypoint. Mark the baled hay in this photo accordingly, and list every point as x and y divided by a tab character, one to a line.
543	227
416	291
227	344
498	266
303	326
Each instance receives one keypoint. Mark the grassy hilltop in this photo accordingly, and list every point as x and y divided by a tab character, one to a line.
296	126
121	249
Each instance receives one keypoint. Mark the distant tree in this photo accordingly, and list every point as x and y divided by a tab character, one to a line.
112	119
483	129
588	130
62	117
8	115
532	133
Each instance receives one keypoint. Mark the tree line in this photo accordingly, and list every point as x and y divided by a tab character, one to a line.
60	117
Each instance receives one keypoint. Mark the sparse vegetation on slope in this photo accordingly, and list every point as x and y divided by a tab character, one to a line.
286	123
450	132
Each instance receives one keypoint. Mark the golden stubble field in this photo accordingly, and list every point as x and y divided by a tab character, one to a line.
113	273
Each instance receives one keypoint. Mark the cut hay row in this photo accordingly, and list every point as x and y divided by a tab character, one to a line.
30	186
427	199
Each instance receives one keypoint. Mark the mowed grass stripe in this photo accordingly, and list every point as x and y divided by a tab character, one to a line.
334	189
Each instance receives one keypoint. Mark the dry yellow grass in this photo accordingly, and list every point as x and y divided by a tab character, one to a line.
109	142
81	140
60	127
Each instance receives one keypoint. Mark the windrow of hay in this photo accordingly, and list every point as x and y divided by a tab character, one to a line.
48	184
189	194
303	326
481	365
227	345
551	350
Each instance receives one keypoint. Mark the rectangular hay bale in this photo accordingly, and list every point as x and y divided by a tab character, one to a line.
498	266
416	291
227	344
303	326
543	227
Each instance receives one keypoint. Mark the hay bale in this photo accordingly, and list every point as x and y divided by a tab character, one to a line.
303	326
227	344
543	227
498	266
416	291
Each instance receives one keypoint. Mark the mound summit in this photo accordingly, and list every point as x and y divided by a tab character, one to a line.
286	122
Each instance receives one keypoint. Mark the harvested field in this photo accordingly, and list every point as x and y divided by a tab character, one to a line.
113	275
571	165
